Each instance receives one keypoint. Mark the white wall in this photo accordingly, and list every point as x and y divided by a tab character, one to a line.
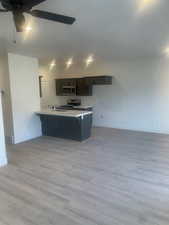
137	100
23	73
48	85
3	158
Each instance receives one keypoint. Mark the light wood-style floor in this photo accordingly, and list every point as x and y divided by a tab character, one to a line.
115	178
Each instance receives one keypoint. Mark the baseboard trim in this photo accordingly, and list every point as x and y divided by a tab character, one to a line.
134	130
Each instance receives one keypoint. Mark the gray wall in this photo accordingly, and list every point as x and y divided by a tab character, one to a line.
137	100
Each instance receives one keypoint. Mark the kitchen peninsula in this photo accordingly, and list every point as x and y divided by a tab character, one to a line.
68	124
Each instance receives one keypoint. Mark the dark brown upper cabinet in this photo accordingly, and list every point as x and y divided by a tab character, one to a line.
100	80
80	86
83	88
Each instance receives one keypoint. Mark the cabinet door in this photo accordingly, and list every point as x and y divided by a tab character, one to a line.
59	84
83	88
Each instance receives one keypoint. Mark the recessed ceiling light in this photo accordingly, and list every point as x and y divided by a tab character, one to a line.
69	62
52	64
28	28
146	4
89	60
166	51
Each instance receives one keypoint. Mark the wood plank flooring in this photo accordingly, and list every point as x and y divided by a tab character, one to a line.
115	178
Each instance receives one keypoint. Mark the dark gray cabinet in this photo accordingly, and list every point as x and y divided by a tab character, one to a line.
59	83
83	88
100	80
75	128
80	86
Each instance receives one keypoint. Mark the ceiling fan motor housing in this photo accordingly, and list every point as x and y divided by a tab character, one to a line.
16	5
19	7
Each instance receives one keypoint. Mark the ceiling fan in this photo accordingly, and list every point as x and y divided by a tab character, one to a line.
18	7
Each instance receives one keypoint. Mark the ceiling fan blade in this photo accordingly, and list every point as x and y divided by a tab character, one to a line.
3	10
19	21
53	17
29	4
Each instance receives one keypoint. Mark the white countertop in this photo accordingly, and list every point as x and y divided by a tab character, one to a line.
67	113
83	106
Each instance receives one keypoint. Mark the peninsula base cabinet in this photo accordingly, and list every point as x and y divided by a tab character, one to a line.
74	128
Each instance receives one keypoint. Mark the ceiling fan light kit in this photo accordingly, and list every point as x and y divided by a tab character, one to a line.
19	7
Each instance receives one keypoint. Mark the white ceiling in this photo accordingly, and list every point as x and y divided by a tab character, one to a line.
107	28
